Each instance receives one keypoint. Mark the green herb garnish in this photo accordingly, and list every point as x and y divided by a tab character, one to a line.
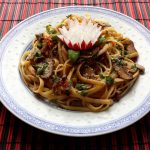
125	52
40	71
56	79
109	80
38	54
101	76
39	45
70	82
73	55
80	86
40	68
101	40
121	52
67	91
55	38
50	30
117	61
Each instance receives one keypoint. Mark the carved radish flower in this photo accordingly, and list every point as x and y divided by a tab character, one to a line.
80	35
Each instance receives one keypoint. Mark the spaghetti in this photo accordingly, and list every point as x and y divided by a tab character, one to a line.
84	80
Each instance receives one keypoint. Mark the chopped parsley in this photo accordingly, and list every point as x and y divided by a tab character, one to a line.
55	37
40	68
101	76
101	40
50	30
70	82
117	61
67	91
81	87
38	54
125	52
39	45
56	79
109	80
121	51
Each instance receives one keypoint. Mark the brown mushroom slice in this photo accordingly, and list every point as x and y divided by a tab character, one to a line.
132	52
130	48
123	72
39	37
132	55
118	80
141	68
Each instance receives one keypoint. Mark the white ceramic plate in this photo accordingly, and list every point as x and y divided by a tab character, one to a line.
23	104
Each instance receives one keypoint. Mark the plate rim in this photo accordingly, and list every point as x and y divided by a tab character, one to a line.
71	133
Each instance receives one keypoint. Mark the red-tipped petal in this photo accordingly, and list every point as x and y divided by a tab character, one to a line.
89	45
76	46
70	45
83	45
72	34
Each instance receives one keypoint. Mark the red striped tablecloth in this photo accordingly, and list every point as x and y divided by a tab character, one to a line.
15	134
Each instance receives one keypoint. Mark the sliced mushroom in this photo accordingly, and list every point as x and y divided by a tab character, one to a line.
123	72
141	68
130	47
39	37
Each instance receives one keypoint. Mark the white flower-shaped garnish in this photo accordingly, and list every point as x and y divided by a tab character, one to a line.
80	36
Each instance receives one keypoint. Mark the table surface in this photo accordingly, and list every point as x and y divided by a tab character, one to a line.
15	134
